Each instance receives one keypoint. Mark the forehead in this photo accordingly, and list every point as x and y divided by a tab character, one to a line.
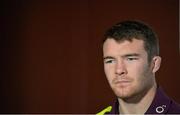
112	47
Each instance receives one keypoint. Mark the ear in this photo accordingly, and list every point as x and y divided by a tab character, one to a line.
156	62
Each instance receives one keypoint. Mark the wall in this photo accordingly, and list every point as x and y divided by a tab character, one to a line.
51	52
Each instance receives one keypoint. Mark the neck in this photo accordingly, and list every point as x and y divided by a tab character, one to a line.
137	107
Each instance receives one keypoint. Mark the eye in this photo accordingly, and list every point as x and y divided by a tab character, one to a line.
132	58
108	61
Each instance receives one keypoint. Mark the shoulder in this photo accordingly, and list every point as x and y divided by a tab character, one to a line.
174	108
163	104
114	109
105	111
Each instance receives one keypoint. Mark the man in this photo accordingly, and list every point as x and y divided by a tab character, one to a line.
131	59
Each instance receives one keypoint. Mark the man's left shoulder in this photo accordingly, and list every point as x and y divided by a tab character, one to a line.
163	104
174	107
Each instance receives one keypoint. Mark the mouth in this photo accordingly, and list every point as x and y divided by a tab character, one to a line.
122	83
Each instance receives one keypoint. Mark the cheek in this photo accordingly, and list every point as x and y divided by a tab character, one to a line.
135	69
142	74
138	71
108	70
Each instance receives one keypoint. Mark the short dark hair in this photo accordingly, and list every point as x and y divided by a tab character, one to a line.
129	30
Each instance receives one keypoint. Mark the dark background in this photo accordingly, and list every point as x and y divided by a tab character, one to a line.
51	54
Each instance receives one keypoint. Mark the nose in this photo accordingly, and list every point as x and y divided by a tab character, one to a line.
120	68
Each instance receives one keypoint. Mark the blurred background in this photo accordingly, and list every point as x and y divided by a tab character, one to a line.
51	54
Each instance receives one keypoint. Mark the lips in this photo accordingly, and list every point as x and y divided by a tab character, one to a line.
122	81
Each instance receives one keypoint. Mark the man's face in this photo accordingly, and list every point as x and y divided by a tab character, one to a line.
127	68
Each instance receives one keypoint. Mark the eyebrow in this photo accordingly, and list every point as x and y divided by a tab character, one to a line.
126	55
130	55
108	57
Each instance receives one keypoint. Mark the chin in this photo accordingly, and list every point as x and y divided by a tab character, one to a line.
124	96
123	93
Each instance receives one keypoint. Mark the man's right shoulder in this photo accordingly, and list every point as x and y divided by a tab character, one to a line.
105	111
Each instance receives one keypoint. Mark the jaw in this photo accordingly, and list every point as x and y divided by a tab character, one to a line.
132	93
123	90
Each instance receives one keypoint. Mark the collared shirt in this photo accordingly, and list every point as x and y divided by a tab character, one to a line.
161	104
